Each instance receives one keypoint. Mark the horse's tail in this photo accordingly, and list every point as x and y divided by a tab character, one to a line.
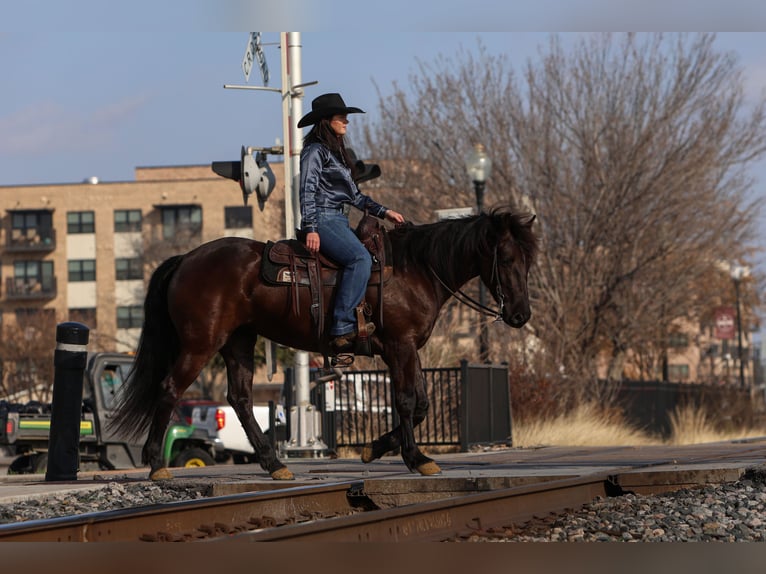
158	348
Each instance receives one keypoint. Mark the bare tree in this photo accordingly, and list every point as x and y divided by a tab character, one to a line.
632	150
27	356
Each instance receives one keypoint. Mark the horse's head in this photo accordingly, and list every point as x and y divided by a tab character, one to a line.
505	269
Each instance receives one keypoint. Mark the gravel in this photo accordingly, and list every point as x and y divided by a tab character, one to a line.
112	496
732	512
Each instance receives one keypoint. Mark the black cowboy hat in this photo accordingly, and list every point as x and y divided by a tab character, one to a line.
364	171
325	106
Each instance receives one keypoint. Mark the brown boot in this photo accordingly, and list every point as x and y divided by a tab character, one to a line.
345	343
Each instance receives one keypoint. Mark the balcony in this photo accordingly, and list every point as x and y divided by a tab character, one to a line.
18	289
32	239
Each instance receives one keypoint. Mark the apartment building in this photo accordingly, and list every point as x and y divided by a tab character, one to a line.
84	251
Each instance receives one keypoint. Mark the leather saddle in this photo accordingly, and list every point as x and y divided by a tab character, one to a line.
288	262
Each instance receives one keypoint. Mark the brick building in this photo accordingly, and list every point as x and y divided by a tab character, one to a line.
84	251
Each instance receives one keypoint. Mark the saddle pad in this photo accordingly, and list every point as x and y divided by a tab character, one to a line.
278	270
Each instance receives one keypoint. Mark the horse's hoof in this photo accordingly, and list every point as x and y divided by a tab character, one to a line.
367	454
161	474
429	468
283	474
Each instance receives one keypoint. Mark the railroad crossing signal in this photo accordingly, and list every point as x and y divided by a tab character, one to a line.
253	172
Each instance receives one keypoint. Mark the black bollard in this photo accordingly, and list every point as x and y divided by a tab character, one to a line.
69	360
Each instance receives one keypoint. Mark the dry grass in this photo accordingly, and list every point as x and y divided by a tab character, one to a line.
590	425
692	425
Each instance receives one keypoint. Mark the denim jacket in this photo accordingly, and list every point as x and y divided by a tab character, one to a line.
327	183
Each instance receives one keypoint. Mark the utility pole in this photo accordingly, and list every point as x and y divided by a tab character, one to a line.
305	439
305	435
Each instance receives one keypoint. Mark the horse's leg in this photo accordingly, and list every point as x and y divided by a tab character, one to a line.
186	368
393	439
237	353
411	406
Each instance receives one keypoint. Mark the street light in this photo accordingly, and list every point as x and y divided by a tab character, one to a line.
738	272
479	166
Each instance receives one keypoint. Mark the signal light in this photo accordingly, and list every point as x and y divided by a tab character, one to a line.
253	173
220	419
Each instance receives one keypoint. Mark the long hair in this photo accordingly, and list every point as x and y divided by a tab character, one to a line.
321	132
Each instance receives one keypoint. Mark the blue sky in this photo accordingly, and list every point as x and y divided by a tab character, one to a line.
94	88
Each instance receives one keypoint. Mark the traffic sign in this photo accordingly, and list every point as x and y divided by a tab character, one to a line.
724	322
254	52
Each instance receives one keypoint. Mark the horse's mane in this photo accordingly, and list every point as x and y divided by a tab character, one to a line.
442	244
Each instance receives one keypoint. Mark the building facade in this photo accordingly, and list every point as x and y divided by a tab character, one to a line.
83	252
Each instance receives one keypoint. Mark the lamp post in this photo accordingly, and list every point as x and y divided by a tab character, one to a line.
738	272
479	166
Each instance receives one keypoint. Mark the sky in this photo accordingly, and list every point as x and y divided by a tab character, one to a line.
94	88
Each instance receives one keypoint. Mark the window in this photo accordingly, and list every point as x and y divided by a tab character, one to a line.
35	320
127	220
80	222
33	273
31	220
238	217
31	227
678	372
82	270
85	316
130	317
129	268
678	340
111	379
179	219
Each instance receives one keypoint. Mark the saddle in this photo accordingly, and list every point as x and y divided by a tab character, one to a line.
288	262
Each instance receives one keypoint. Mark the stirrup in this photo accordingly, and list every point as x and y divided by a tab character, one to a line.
342	360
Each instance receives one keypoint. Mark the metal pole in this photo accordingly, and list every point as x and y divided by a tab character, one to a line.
69	358
292	108
739	338
478	187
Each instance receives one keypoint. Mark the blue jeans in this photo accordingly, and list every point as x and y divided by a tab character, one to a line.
338	242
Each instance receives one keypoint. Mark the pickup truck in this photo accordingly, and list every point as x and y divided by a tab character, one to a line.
220	420
24	429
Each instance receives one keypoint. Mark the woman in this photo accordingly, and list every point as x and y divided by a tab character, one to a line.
327	189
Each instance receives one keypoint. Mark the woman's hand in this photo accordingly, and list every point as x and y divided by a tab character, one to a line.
394	216
312	241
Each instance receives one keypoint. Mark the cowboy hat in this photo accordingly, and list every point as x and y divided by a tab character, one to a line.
325	106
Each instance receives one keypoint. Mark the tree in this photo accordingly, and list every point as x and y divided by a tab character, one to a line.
632	150
27	356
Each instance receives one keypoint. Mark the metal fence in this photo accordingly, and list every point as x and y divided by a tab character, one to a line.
649	405
360	407
469	404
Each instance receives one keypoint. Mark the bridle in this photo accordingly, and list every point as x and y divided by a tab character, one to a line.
472	303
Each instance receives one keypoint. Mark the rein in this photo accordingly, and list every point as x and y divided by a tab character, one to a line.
472	303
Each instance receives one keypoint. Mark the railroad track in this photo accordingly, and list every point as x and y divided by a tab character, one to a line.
353	510
338	512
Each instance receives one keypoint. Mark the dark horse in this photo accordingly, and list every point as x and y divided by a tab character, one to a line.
213	300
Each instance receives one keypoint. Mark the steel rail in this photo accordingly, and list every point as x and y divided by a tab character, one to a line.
442	519
191	519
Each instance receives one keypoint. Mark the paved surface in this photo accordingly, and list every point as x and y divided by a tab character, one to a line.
638	468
